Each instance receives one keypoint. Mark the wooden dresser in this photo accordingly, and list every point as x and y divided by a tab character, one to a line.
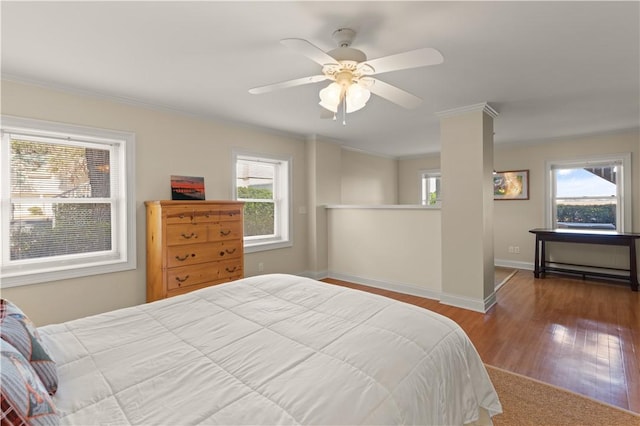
191	245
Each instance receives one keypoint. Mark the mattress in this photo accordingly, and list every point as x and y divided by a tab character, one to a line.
270	349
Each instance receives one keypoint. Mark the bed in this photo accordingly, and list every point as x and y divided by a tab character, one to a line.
270	349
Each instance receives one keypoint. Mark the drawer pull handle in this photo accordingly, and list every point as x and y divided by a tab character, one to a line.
182	216
181	280
188	237
225	233
227	251
231	269
185	257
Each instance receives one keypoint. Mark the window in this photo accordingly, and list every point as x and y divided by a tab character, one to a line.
263	183
590	193
431	192
67	201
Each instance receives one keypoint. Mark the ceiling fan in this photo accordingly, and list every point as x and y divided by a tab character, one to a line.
351	73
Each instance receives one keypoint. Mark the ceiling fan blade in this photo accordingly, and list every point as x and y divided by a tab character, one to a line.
402	61
309	50
288	83
392	93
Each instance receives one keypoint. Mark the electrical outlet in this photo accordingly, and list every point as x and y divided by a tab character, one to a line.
260	267
516	250
510	249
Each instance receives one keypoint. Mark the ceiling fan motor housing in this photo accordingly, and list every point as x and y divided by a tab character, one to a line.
347	54
344	37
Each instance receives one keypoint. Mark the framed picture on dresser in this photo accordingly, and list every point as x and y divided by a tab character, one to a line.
187	188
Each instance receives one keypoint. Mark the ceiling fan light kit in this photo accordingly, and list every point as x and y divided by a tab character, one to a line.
345	87
330	97
357	97
351	72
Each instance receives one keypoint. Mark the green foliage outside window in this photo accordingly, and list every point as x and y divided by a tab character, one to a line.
259	217
595	213
77	228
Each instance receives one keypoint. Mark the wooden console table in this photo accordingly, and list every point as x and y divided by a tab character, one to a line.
586	237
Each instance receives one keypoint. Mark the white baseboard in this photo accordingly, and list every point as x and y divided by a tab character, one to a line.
500	284
528	266
477	305
316	275
397	287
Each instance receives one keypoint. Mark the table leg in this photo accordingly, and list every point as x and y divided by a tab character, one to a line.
536	265
543	257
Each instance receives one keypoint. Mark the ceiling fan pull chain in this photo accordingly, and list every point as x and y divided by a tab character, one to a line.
344	110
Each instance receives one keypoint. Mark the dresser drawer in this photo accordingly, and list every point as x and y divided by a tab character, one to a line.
178	291
230	213
190	254
230	269
187	234
225	230
185	276
192	215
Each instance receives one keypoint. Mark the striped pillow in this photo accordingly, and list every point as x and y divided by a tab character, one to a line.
23	398
17	329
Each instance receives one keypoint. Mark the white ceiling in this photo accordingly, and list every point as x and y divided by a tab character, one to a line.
551	69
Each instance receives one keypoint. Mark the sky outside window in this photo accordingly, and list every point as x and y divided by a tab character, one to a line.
581	183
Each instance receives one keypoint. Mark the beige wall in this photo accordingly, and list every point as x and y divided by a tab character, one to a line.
409	175
368	179
166	143
513	219
387	247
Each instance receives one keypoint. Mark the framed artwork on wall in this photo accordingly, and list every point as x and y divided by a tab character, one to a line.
511	185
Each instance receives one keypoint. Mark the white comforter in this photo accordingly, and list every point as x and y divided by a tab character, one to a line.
271	349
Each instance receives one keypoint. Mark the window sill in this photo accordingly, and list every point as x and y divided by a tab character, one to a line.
267	245
57	274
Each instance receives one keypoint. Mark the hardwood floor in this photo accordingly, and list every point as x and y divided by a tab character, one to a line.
578	334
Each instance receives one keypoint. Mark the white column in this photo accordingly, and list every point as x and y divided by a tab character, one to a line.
323	187
467	207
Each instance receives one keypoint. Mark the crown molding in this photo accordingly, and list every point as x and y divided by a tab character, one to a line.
483	107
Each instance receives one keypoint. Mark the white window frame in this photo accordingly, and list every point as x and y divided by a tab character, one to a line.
427	174
624	190
123	254
283	191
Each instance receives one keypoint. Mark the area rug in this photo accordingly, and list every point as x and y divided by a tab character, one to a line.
527	402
